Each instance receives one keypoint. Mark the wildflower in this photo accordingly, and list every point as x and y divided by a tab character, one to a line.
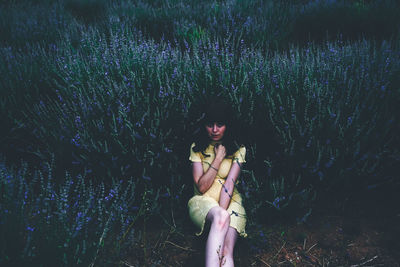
138	136
328	141
173	76
78	122
59	96
146	178
76	140
277	200
329	163
30	228
349	120
308	143
162	93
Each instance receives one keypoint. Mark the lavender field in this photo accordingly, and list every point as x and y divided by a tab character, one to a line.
99	99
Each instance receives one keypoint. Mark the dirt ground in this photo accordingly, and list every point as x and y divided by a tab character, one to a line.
357	238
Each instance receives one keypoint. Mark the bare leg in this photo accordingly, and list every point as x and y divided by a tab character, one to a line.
220	219
229	245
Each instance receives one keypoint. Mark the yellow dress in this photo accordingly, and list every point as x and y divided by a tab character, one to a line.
200	204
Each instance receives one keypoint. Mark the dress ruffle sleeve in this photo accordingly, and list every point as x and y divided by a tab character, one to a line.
240	155
194	156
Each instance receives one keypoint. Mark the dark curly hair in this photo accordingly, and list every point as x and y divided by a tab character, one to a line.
217	110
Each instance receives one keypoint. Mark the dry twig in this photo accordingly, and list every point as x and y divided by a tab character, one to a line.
187	249
365	262
311	247
263	261
127	264
280	249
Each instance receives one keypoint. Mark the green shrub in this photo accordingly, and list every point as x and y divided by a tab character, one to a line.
87	10
26	23
318	119
68	221
352	20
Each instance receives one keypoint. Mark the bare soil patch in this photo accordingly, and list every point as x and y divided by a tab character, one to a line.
354	238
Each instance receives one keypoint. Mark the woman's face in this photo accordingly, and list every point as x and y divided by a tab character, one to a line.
215	130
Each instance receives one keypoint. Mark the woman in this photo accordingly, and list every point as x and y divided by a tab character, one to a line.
216	164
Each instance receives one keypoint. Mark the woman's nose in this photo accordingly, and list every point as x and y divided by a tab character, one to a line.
214	128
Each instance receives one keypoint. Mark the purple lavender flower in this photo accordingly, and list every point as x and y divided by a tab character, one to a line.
78	122
147	178
328	141
76	140
277	201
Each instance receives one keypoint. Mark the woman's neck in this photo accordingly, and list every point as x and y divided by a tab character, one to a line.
212	142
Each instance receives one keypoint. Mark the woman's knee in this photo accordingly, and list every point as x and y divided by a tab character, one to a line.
220	218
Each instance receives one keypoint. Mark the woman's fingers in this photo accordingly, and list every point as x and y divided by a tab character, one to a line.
223	151
220	151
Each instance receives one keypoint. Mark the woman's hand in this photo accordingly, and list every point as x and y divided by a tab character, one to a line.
220	152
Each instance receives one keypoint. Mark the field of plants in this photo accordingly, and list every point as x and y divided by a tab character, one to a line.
99	102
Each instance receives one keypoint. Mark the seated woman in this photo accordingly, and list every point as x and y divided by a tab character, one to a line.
216	164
